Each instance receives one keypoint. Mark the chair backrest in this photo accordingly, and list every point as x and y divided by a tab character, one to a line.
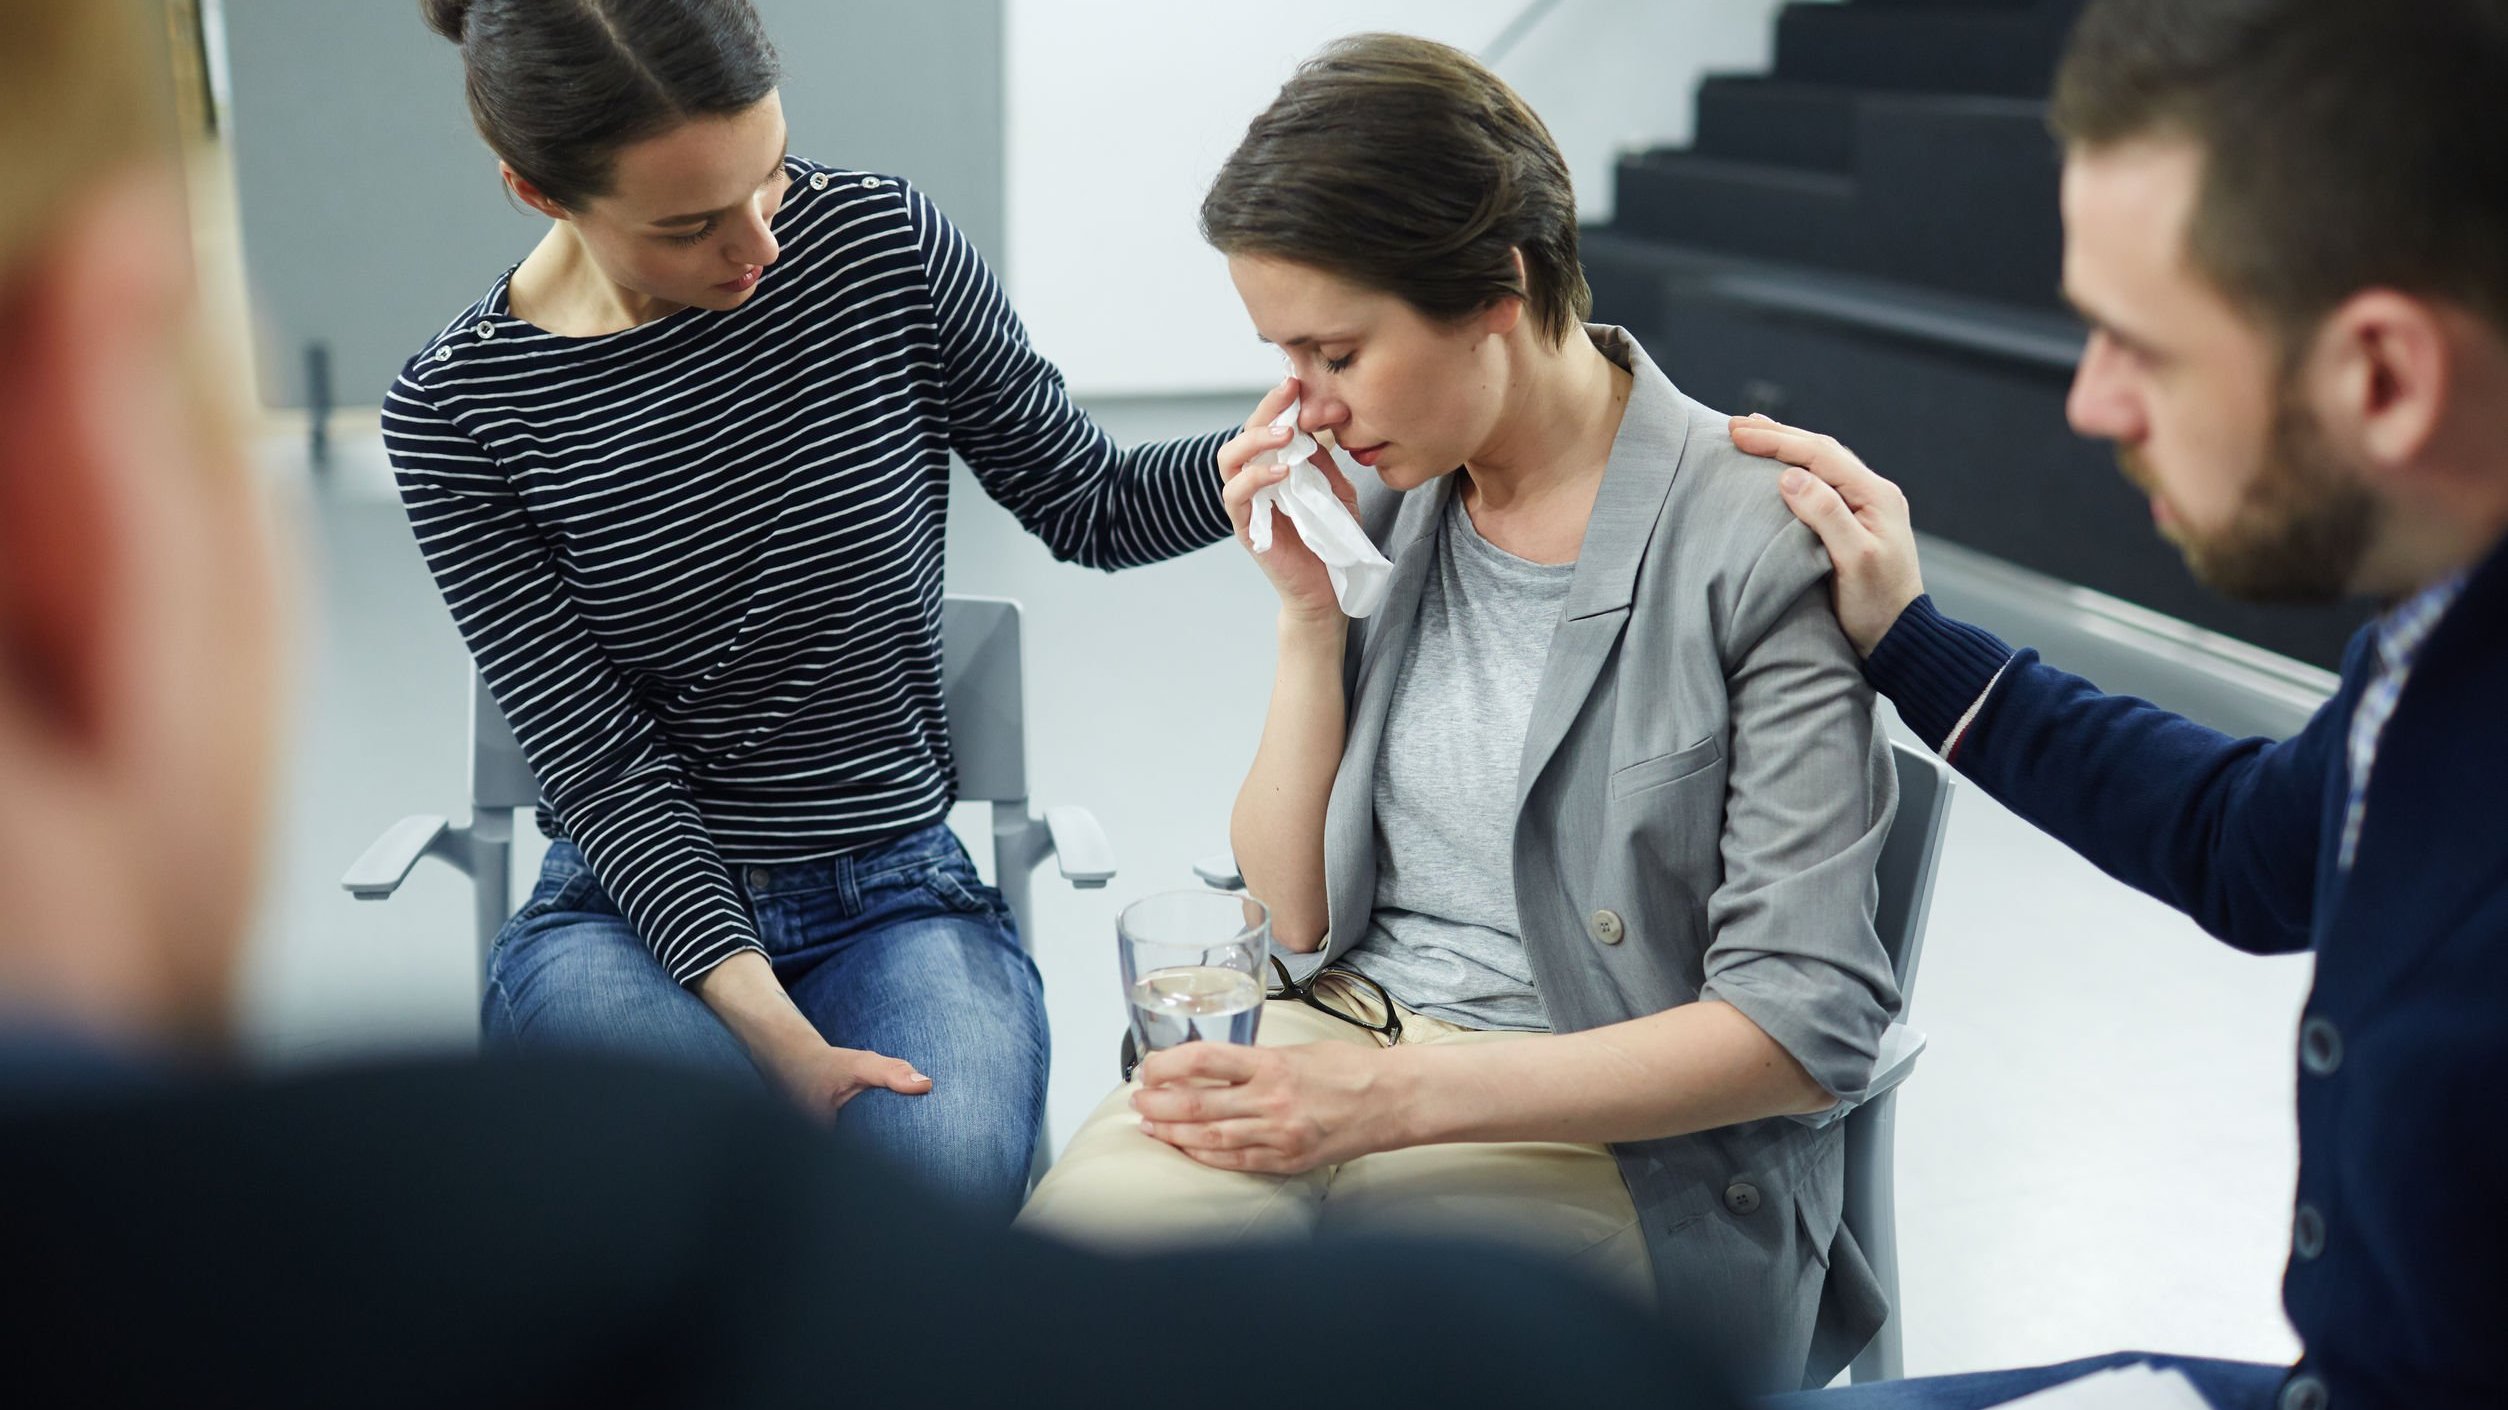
499	777
979	679
980	676
1910	855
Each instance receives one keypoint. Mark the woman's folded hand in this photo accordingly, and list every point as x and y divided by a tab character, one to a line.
1275	1110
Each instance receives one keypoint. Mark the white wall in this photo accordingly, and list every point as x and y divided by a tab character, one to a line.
1121	111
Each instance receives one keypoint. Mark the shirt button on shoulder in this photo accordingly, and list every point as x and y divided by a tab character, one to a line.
1607	927
444	354
818	181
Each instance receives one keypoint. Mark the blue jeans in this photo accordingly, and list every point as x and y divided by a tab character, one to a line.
899	949
2228	1385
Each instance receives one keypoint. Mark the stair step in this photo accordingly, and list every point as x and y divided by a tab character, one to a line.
1955	49
1978	440
1750	208
1748	118
1959	194
1965	5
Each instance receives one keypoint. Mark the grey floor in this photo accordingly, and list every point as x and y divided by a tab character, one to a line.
2096	1153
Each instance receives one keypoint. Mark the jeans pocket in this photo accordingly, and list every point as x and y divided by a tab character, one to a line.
954	884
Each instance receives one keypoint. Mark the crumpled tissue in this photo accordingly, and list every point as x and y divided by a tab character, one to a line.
1360	574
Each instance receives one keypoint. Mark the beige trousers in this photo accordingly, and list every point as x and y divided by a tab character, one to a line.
1115	1188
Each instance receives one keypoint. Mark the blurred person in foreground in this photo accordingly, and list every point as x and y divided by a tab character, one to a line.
454	1233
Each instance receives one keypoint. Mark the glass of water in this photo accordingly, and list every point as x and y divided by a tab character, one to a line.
1193	967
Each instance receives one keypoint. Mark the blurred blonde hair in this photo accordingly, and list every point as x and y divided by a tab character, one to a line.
83	94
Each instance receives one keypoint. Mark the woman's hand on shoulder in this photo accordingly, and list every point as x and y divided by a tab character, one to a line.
1277	1111
1304	586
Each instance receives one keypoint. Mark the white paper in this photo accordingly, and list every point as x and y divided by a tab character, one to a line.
1360	574
2135	1387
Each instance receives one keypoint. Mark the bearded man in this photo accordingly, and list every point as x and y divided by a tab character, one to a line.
2286	223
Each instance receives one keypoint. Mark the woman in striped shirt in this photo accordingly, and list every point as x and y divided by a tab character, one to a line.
682	477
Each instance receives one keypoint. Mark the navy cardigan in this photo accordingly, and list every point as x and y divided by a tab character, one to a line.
2398	1276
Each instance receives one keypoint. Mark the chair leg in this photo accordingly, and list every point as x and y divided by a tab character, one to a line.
1872	1212
491	879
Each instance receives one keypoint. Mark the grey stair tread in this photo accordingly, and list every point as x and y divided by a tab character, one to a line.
1746	207
1753	118
1951	50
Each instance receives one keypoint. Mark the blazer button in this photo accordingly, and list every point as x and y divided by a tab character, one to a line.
1742	1197
2307	1232
2305	1393
1607	927
2320	1047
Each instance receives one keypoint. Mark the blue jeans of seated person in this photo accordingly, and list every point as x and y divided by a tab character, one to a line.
898	949
2225	1385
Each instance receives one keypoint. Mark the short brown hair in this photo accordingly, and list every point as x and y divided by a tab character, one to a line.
2346	145
1405	165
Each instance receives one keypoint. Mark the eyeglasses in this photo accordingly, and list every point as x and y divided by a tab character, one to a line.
1389	1028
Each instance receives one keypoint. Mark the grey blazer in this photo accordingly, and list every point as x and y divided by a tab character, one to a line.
1700	805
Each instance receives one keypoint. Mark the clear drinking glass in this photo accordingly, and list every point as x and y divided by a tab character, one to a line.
1193	967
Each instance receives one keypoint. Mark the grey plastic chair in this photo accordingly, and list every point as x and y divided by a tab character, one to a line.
982	682
1910	856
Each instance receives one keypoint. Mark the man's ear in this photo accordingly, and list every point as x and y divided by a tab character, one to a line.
85	336
2384	376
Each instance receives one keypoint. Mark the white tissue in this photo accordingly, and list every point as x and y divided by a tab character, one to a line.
1359	573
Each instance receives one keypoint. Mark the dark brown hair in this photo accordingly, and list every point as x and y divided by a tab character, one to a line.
1406	166
2346	145
559	86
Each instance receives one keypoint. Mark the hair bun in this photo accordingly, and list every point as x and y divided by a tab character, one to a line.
449	18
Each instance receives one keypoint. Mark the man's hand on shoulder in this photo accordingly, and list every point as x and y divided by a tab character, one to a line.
1861	517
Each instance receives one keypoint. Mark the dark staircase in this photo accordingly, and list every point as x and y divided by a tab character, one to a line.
1865	242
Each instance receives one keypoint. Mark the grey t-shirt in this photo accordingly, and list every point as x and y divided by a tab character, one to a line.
1443	936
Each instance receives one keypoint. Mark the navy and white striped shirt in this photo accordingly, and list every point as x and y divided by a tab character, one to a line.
699	561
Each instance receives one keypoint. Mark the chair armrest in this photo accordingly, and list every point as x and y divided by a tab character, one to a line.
1219	871
1081	851
385	865
1900	1047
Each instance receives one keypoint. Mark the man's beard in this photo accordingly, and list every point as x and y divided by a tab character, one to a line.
2302	529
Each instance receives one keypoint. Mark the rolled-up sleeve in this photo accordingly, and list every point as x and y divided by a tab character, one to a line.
1809	797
